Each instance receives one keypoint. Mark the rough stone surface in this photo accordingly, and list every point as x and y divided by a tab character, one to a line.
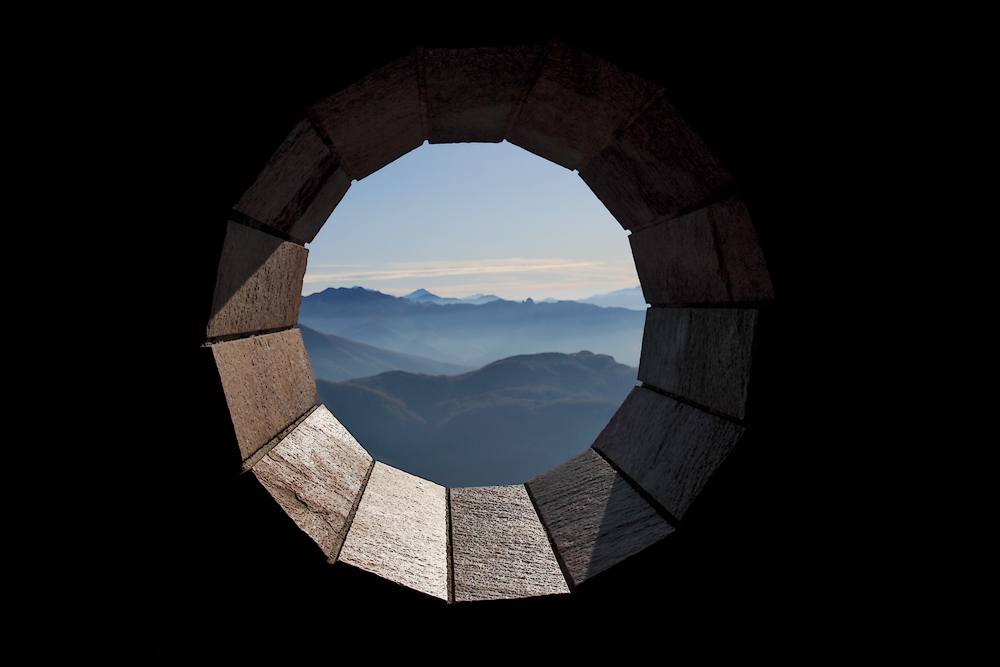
678	263
746	270
259	284
472	93
315	473
708	256
376	120
668	448
400	532
499	548
577	105
268	384
326	199
595	518
703	354
299	182
657	169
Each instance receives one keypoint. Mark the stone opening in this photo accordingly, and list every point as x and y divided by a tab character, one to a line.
514	227
695	250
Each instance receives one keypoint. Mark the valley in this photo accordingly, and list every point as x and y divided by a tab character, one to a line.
470	394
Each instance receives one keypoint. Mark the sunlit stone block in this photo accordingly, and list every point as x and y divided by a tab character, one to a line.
400	532
268	384
315	473
500	549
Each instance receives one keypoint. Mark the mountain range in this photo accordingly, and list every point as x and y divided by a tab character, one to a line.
336	359
631	298
469	334
423	296
500	424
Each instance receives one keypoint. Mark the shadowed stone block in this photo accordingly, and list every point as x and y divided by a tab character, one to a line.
375	120
708	256
678	263
594	517
576	106
400	532
472	93
499	548
657	169
702	354
326	199
315	473
268	384
668	448
745	268
259	284
299	187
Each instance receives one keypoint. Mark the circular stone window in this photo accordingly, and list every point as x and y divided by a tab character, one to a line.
698	261
495	390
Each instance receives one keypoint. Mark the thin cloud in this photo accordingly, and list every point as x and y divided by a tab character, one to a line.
415	270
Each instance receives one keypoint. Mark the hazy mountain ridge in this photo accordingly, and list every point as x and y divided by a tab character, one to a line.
631	298
501	424
337	359
423	296
473	334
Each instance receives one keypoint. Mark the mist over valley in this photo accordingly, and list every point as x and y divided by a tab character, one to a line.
501	424
473	335
476	391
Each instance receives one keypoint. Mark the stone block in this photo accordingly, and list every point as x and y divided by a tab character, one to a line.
259	283
315	473
594	517
317	213
268	384
708	256
400	532
499	548
576	106
299	187
668	448
471	94
744	262
377	119
657	169
678	262
702	354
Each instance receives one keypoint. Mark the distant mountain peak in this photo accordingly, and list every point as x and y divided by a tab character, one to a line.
631	298
468	333
423	296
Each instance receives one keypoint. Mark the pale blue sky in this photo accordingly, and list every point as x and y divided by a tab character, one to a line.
461	219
